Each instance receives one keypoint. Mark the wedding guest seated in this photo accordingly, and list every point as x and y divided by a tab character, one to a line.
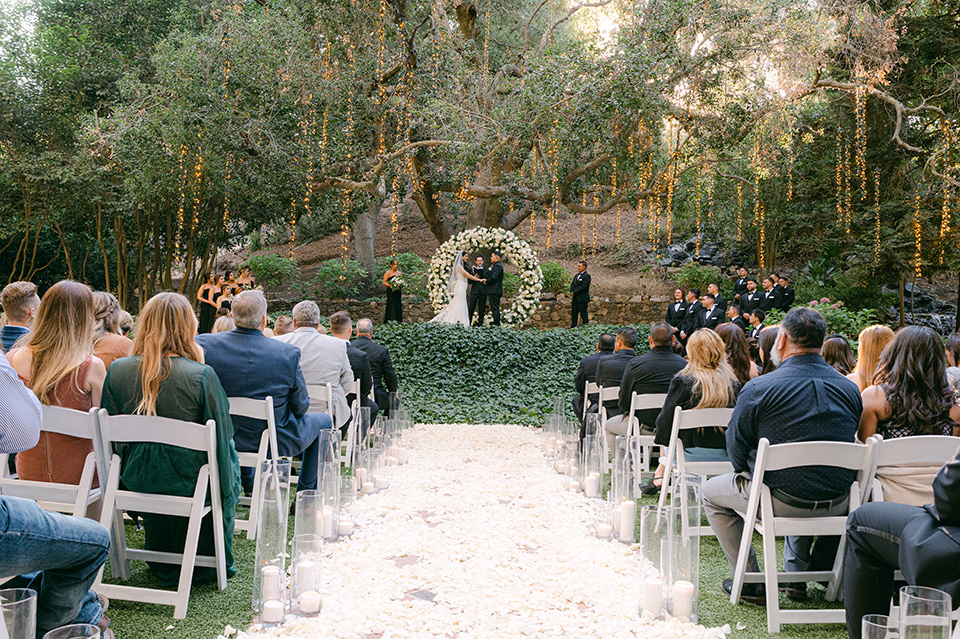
56	555
587	372
323	358
767	340
20	303
384	377
125	323
610	369
651	372
249	364
738	352
223	324
283	325
921	542
953	350
870	344
838	354
708	381
165	377
110	344
802	400
953	378
56	362
341	327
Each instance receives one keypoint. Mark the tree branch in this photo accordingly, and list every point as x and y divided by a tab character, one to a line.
570	12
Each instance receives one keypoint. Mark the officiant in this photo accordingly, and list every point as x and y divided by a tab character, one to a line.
478	292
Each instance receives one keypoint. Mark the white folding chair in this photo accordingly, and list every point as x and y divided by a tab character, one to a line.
255	409
929	450
687	420
64	498
607	394
590	389
645	443
129	429
321	399
759	515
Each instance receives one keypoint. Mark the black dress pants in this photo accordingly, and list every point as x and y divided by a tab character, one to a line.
480	299
494	302
578	310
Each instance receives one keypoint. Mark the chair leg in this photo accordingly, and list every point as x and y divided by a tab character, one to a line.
219	545
190	545
835	587
255	500
770	570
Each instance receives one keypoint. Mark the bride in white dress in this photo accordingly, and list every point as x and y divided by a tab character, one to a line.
456	310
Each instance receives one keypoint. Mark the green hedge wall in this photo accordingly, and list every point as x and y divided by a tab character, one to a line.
482	375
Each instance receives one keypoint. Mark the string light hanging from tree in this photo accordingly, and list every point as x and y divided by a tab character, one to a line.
917	236
739	211
876	215
860	109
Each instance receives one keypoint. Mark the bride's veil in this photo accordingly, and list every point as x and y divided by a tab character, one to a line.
452	280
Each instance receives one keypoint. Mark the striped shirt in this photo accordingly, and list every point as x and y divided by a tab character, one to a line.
20	413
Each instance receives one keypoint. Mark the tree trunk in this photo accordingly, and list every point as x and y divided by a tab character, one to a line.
103	250
902	322
956	324
428	200
364	232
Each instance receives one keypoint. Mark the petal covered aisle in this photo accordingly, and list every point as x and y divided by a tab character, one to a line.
475	538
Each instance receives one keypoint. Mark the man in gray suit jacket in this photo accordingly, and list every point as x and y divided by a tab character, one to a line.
323	359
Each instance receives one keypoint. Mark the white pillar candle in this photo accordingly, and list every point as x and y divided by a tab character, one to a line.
572	470
652	595
392	461
591	486
562	468
309	602
346	527
272	611
361	474
403	454
383	483
628	520
551	443
369	487
604	530
269	582
574	486
683	600
328	522
308	572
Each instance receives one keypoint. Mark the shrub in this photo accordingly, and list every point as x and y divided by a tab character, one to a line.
839	319
556	279
454	374
511	284
693	275
271	270
414	271
338	280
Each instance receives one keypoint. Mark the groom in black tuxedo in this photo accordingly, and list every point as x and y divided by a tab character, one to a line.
478	291
495	286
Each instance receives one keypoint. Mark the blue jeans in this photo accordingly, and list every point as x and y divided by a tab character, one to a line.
58	556
705	454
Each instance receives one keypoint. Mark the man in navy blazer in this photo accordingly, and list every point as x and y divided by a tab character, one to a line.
250	364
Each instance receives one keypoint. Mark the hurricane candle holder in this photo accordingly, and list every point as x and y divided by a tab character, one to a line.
329	486
73	631
591	464
368	481
592	426
383	466
681	555
18	613
550	431
270	564
309	513
393	404
625	500
924	613
348	507
604	528
305	575
559	406
652	532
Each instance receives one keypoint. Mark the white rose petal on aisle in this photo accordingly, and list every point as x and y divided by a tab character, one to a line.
474	539
514	250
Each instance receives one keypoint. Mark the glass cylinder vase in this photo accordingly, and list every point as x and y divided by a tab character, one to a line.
591	466
329	485
348	507
18	607
271	551
681	558
924	613
305	563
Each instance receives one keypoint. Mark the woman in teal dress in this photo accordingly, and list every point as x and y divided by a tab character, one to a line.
166	377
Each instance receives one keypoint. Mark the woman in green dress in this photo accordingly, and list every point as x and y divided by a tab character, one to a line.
166	377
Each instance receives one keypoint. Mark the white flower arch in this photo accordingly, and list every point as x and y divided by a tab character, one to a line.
513	248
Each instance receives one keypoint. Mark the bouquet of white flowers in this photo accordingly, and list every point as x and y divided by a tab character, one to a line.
396	282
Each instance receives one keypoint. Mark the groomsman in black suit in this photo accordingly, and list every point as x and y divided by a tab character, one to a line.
740	286
734	316
580	291
780	286
751	299
478	291
756	323
693	311
677	310
495	286
711	316
721	301
771	296
789	295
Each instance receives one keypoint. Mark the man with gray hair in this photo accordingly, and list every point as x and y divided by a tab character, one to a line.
323	358
250	364
384	377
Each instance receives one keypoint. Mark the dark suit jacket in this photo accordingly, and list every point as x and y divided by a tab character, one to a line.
477	288
709	319
770	300
721	303
649	373
690	321
755	332
789	296
740	322
250	364
360	364
675	315
610	373
384	377
587	372
740	287
750	302
580	287
495	279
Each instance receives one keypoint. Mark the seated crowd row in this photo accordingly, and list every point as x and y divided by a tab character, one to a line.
67	350
898	388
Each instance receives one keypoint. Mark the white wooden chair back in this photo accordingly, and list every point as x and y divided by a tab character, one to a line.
129	429
842	455
269	449
929	450
645	443
72	499
607	394
591	388
688	420
321	396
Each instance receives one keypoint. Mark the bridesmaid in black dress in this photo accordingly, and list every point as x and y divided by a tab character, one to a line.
208	305
394	308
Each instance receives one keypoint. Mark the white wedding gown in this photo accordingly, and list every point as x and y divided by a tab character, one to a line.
456	310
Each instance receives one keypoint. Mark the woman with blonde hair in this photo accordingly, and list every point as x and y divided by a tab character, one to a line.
166	377
57	363
707	381
871	342
110	344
